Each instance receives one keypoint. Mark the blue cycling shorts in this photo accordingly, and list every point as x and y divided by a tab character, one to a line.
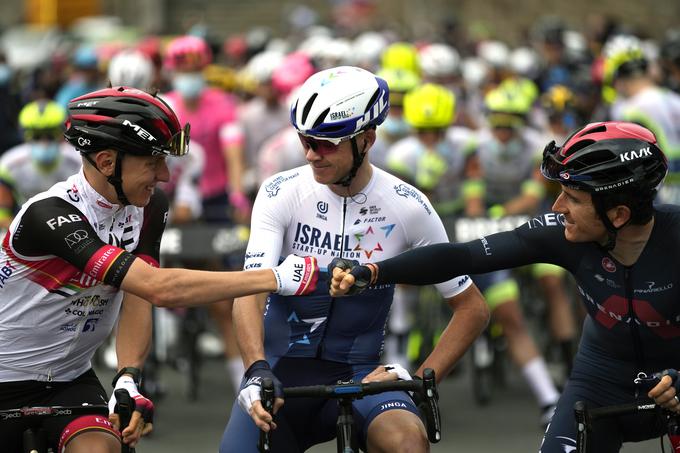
304	422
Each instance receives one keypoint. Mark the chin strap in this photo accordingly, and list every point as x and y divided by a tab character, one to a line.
611	229
116	179
358	159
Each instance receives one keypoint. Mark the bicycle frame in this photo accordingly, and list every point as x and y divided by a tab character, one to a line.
346	392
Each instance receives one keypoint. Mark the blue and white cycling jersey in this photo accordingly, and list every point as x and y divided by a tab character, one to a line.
295	214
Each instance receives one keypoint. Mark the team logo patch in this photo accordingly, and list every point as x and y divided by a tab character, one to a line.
608	264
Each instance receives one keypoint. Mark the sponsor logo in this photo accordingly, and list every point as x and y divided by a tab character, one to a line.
548	219
652	288
73	194
274	186
254	255
11	415
363	211
75	238
393	405
6	272
56	222
101	260
252	266
141	132
103	204
405	191
632	155
72	327
87	104
90	325
487	247
343	114
608	264
463	280
614	186
373	113
82	141
322	210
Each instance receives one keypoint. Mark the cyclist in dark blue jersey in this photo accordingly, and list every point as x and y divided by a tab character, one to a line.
624	253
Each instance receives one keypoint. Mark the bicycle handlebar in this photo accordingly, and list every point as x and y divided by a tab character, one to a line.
125	406
425	390
53	411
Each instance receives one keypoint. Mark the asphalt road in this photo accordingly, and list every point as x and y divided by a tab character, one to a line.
509	424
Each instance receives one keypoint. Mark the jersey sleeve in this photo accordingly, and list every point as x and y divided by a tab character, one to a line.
540	240
54	227
151	233
425	228
267	229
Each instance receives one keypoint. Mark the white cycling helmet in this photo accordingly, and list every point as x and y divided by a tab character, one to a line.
438	60
525	61
131	68
494	53
262	65
337	104
367	49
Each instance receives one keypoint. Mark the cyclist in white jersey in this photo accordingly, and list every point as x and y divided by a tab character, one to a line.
86	250
640	100
337	206
43	160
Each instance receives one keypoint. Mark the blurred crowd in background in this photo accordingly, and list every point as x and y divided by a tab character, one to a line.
469	116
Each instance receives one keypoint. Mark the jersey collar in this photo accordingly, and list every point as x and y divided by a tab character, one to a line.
101	206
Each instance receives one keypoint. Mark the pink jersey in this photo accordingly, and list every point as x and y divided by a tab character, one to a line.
214	126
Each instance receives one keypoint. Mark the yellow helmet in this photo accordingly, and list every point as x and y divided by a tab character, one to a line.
507	106
401	55
557	99
623	56
429	106
400	81
40	117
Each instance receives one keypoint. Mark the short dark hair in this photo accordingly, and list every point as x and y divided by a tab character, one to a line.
640	203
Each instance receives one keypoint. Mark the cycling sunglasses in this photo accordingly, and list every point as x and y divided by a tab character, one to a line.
324	146
44	134
177	146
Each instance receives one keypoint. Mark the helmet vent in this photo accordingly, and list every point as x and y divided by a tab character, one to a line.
594	130
321	118
308	107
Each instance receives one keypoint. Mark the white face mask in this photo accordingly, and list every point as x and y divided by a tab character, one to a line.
189	84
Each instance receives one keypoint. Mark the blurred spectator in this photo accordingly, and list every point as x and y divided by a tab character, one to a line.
39	163
9	107
84	77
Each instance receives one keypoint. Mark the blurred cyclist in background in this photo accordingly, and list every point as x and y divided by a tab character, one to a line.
639	100
84	76
39	163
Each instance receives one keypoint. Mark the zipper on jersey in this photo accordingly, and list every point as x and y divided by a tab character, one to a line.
634	328
320	348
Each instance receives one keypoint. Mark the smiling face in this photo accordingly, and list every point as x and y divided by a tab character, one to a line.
140	176
583	224
329	162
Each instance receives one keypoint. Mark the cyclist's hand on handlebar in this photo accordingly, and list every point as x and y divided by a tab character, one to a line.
348	277
141	422
296	275
251	393
665	393
389	372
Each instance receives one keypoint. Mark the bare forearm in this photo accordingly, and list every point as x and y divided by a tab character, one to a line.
236	168
133	339
249	327
185	288
467	323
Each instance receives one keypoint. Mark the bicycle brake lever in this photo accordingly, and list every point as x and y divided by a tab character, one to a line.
432	415
267	400
125	406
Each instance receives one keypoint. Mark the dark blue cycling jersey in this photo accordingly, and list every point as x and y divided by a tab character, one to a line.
633	321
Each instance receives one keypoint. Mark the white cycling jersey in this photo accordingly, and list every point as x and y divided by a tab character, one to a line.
19	169
61	263
295	214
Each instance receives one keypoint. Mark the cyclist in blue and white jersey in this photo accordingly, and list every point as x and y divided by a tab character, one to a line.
84	253
337	206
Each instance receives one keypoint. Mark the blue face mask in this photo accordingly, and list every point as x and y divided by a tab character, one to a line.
189	85
395	126
45	153
5	74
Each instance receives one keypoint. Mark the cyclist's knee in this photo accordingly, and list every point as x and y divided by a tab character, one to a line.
509	316
397	431
89	433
